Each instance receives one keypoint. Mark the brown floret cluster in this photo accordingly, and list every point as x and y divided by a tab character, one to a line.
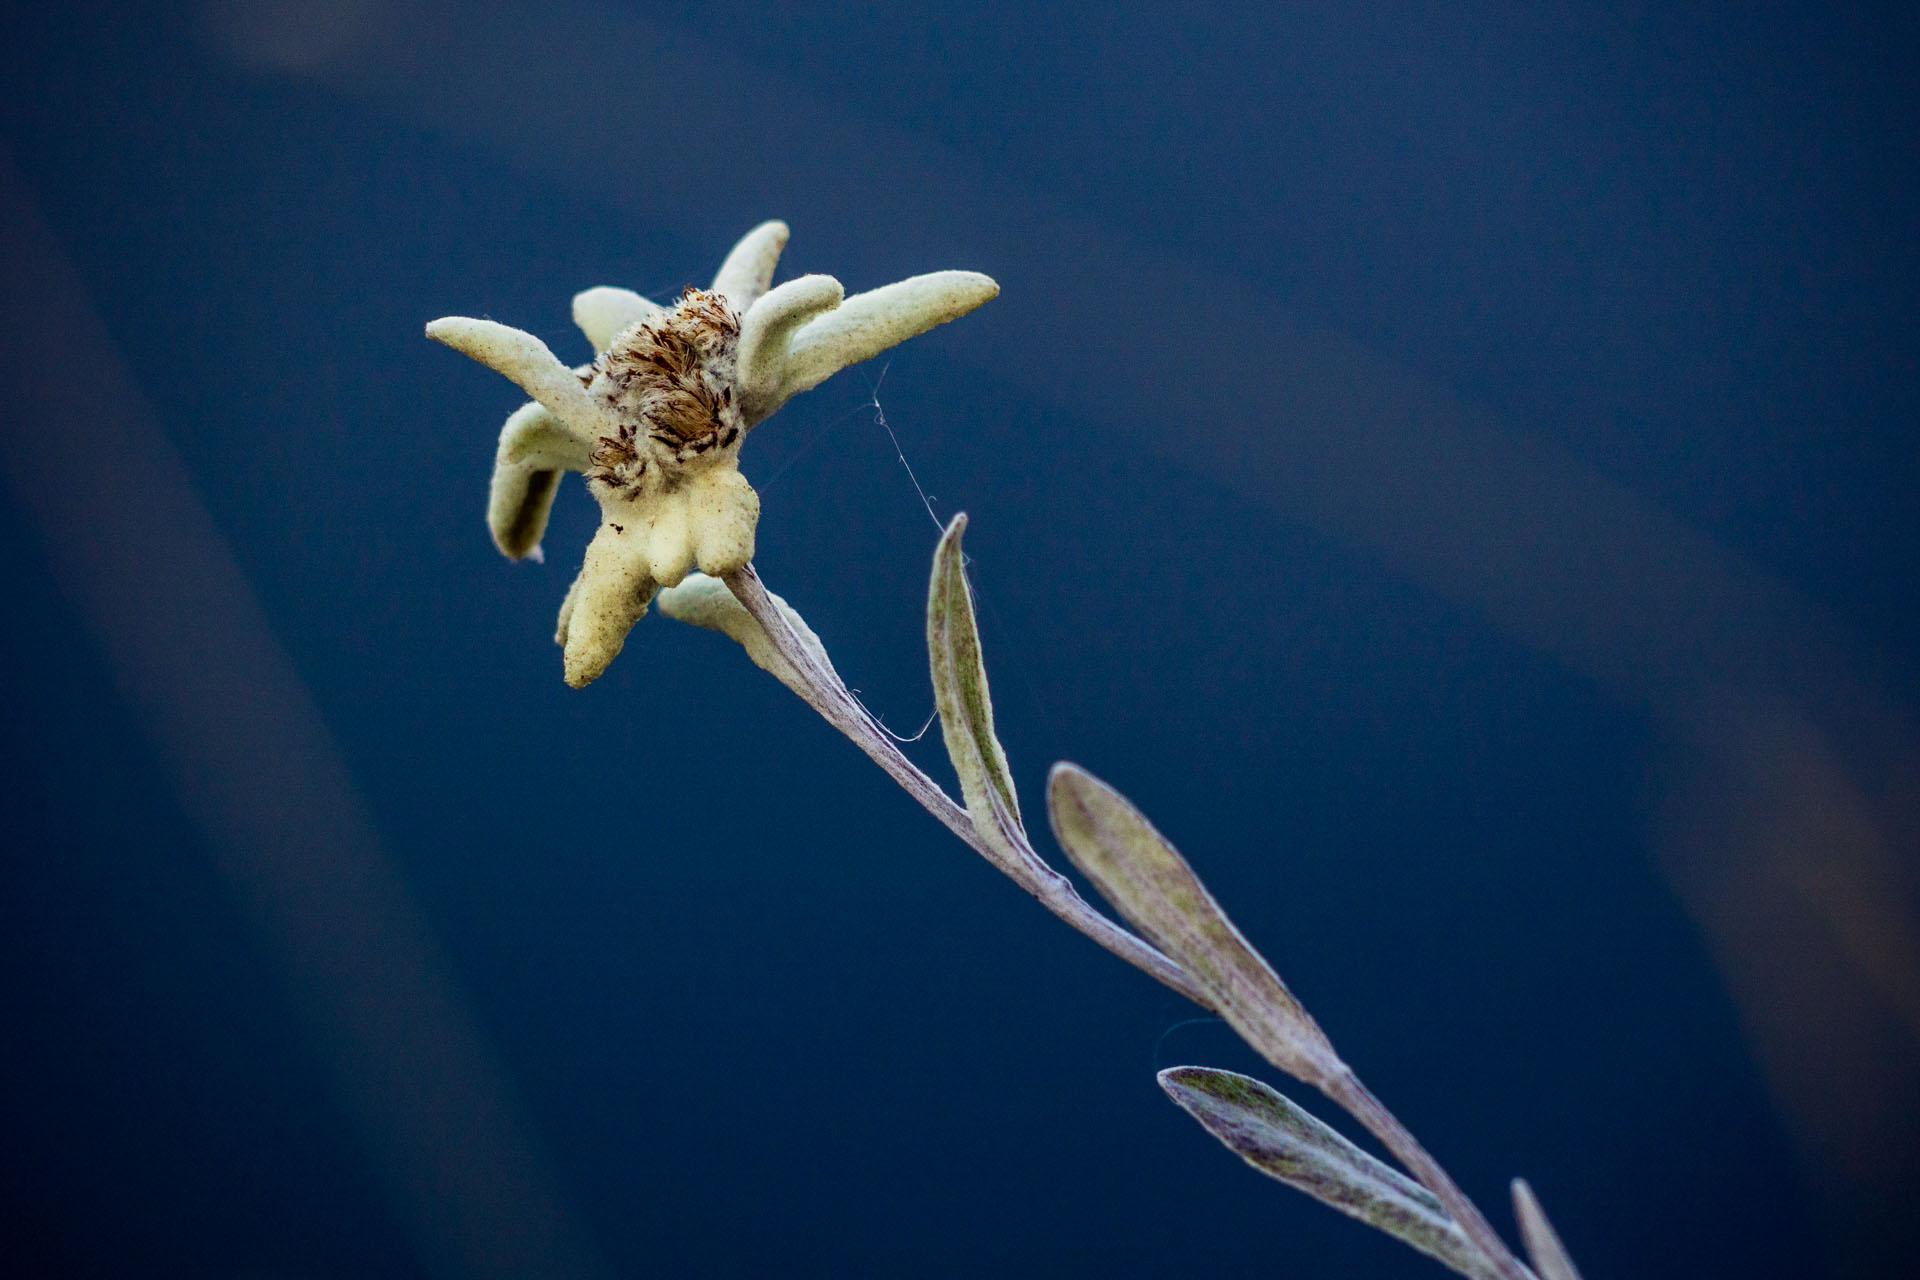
671	383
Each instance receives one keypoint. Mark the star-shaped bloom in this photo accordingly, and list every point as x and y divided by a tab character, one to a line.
657	419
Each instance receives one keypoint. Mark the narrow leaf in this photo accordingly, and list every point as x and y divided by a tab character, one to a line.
1149	883
1271	1133
960	694
1548	1255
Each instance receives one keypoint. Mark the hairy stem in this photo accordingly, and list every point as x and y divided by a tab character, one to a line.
1358	1101
826	693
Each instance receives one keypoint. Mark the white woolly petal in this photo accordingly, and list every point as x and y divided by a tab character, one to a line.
766	333
706	602
603	311
534	438
534	449
722	510
748	270
566	608
610	595
868	323
528	361
670	541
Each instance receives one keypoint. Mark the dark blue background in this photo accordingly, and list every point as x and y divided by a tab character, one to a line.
765	1016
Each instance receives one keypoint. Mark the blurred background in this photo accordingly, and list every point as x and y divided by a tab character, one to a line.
1452	465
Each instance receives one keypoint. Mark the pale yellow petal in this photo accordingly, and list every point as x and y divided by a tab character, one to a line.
868	323
603	311
535	448
530	363
610	595
670	540
723	510
767	331
748	270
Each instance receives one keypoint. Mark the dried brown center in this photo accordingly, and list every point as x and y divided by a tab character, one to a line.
670	383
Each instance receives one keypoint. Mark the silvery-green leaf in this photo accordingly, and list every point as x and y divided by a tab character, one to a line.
1149	883
1268	1131
1544	1250
960	694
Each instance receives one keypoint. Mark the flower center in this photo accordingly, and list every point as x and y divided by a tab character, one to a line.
671	385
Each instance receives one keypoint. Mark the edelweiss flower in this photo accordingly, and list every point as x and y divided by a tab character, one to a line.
656	421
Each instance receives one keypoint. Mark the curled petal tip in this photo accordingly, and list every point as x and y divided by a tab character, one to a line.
767	331
803	296
868	323
770	236
603	311
535	447
984	286
963	290
748	268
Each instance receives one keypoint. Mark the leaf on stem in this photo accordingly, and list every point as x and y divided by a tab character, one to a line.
1544	1250
1149	883
1271	1133
960	694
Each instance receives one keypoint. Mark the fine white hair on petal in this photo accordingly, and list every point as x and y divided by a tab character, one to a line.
603	311
766	331
610	595
530	363
722	512
532	437
534	449
748	269
669	539
708	602
868	323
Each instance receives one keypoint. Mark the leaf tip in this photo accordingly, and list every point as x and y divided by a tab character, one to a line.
955	527
1548	1255
1065	781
